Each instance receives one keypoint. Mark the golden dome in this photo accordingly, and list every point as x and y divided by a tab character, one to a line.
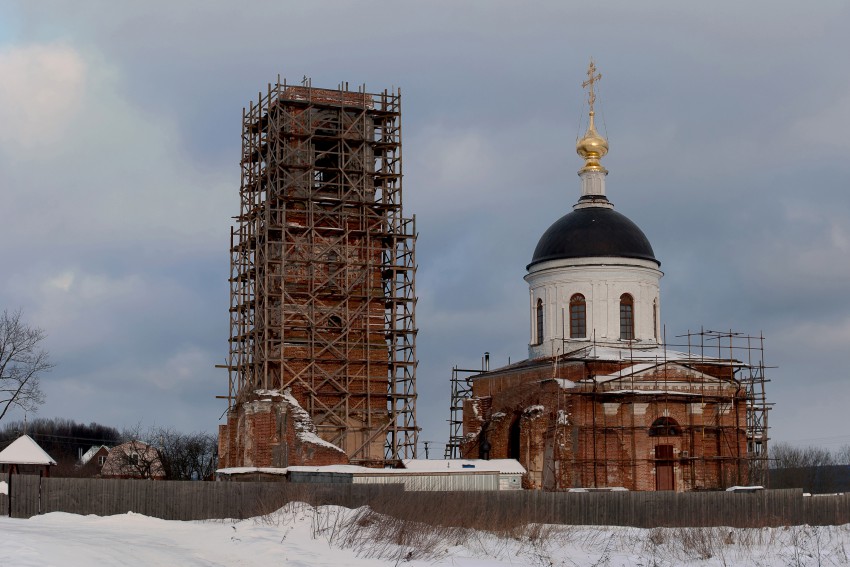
592	147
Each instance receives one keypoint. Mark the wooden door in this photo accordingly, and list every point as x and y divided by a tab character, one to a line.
664	467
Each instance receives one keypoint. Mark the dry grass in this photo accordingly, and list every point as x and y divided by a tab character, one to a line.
375	535
371	534
402	529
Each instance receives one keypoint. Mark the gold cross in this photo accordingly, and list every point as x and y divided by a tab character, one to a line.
591	79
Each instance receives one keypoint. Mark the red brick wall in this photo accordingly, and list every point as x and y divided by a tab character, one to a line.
264	433
587	439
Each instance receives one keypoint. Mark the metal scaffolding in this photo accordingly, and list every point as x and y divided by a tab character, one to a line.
739	453
461	390
322	274
746	355
735	449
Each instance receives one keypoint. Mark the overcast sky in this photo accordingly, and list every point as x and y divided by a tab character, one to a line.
729	128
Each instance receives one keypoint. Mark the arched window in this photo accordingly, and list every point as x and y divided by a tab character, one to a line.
578	317
514	439
627	317
540	321
655	318
335	322
665	427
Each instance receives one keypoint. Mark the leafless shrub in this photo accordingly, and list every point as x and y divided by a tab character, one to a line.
789	545
657	536
284	516
536	532
814	545
699	542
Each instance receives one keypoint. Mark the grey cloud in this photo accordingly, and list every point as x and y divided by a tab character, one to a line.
725	120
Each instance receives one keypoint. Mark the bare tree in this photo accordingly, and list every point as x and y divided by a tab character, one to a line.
191	456
786	456
842	455
167	454
814	469
133	458
22	361
137	459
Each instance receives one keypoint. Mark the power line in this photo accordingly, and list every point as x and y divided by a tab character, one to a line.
70	437
836	442
834	437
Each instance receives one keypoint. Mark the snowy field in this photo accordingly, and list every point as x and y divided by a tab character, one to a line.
299	535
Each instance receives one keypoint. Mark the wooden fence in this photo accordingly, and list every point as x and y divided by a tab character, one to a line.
637	509
174	500
178	500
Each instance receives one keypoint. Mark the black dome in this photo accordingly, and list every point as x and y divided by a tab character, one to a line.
593	231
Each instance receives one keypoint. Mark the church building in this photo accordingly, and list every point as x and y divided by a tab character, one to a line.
601	401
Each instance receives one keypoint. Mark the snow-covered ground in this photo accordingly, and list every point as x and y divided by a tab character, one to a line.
299	535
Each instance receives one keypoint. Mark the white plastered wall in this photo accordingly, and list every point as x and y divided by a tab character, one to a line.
602	281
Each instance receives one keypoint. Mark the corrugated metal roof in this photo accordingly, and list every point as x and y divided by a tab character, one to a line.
505	466
411	466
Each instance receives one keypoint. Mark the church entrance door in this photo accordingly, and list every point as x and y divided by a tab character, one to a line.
664	467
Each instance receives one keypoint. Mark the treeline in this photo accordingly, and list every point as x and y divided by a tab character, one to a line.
182	456
63	439
814	469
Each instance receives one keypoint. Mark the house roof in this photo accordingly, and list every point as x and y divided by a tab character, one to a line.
411	466
625	372
653	353
25	451
645	356
642	369
88	455
117	462
506	466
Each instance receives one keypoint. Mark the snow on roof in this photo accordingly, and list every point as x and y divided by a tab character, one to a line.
25	451
655	354
641	367
344	469
347	469
653	392
638	353
88	455
628	371
420	466
248	470
305	429
537	408
506	466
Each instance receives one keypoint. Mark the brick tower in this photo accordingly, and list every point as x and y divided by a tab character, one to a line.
322	302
